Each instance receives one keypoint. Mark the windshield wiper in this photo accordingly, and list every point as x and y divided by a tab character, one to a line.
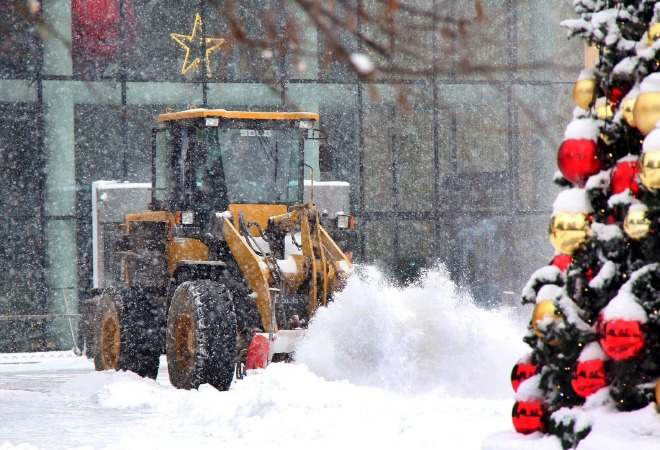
264	146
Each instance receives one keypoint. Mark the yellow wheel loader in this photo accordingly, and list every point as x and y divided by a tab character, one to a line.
228	264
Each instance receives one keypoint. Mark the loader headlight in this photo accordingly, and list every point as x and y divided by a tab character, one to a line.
343	221
187	217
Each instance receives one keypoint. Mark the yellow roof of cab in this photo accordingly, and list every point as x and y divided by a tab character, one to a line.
200	113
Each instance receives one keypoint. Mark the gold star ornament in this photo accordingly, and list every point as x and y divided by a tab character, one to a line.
198	47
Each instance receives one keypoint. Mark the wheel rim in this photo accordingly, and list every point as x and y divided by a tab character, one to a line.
184	341
110	341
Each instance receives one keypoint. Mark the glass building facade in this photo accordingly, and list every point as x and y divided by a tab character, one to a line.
453	165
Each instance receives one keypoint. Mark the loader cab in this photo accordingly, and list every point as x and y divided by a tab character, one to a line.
205	160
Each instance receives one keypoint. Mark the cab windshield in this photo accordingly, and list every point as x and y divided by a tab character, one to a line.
255	166
217	166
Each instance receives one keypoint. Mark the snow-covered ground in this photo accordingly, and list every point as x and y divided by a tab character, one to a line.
420	367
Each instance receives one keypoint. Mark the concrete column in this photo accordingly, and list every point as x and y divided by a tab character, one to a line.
60	205
60	171
57	47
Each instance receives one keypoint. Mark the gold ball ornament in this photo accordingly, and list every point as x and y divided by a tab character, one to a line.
543	311
584	92
603	109
649	169
568	231
636	224
653	34
627	109
646	112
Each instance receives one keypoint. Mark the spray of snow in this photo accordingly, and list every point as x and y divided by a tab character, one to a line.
426	336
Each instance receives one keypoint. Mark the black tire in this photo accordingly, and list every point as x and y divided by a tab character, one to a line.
86	328
201	336
126	333
248	319
245	305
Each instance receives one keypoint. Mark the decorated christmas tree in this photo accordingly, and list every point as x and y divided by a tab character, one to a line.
595	328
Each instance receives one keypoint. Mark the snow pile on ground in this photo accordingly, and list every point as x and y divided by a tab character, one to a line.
286	406
40	361
8	446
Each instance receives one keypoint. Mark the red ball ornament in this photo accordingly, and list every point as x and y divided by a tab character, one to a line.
96	26
528	416
615	96
578	160
562	262
621	339
624	176
590	273
600	325
521	372
589	377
